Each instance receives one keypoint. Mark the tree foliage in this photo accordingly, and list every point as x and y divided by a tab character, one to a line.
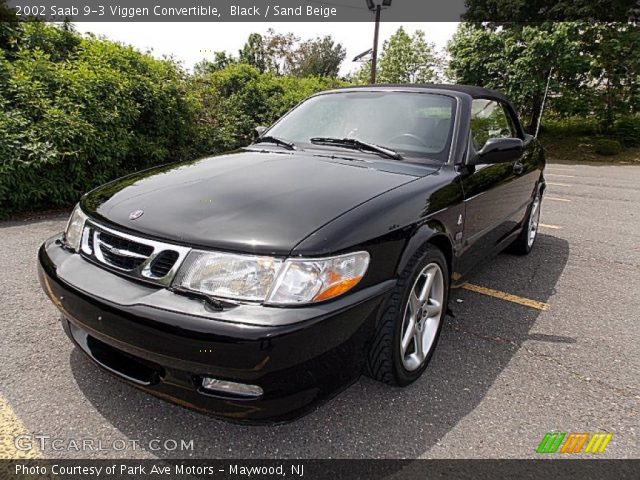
285	54
592	68
319	57
233	101
221	60
254	53
405	59
408	59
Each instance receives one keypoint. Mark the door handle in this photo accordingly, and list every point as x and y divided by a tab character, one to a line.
518	168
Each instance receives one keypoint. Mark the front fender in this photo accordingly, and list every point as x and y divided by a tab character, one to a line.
432	232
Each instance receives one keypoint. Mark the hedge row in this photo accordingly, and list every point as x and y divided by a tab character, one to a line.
76	112
625	130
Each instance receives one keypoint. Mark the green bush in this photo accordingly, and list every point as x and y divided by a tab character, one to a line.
607	146
571	126
71	122
627	129
76	112
236	99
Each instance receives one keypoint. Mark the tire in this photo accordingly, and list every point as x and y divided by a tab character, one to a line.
524	243
387	360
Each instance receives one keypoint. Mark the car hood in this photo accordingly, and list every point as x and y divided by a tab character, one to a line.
251	201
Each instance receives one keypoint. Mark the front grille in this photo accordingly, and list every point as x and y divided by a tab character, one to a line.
124	244
164	262
122	253
118	261
130	255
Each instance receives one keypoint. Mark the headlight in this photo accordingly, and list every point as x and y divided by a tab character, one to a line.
267	279
314	280
240	277
73	232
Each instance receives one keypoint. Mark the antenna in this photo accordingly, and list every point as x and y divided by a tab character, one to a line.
544	99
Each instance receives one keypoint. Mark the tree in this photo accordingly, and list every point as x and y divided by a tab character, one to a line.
283	54
614	53
363	75
593	68
280	51
254	52
320	57
221	60
405	59
519	59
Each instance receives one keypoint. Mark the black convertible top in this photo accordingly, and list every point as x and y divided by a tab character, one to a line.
471	90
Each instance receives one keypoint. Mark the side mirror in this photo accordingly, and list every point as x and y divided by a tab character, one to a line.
259	131
499	150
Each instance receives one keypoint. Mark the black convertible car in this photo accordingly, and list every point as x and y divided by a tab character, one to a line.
251	285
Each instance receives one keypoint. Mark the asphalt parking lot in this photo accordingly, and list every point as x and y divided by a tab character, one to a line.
507	370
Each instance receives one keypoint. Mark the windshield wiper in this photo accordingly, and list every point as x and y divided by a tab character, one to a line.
277	141
356	144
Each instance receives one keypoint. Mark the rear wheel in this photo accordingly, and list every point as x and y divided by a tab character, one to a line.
409	329
524	243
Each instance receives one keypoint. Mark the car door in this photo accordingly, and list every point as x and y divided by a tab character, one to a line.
491	194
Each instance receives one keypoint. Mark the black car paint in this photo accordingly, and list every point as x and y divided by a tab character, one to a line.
268	200
262	202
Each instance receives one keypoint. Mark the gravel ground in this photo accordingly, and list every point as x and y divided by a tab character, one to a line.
503	374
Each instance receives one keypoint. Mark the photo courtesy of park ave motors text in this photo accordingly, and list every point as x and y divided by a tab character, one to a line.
319	231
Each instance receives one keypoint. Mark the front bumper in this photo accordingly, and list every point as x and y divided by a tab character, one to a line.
165	343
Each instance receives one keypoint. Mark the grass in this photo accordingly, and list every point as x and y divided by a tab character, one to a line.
578	149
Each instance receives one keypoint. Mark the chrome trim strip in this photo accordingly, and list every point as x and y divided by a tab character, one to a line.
84	243
118	251
143	271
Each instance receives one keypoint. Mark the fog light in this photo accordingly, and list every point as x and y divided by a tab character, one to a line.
230	389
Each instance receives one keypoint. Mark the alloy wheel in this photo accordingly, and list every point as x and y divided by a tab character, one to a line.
534	221
421	318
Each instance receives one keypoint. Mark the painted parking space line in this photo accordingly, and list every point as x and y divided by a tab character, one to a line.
490	292
550	227
558	167
560	175
557	199
559	184
10	428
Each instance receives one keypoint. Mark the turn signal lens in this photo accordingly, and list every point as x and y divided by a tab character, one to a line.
314	280
336	289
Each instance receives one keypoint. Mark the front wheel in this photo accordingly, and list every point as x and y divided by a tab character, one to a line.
524	243
408	332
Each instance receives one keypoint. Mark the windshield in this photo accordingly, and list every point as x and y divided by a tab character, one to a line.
410	123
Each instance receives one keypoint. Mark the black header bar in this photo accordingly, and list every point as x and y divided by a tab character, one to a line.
326	10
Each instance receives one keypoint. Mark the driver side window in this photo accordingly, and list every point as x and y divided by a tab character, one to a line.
489	120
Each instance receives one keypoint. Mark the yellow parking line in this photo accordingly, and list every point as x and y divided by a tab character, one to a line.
506	296
560	175
559	184
557	199
551	227
10	428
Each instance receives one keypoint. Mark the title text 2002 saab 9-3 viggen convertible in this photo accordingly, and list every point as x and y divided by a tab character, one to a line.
253	284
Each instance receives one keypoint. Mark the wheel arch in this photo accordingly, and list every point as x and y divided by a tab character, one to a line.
432	233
